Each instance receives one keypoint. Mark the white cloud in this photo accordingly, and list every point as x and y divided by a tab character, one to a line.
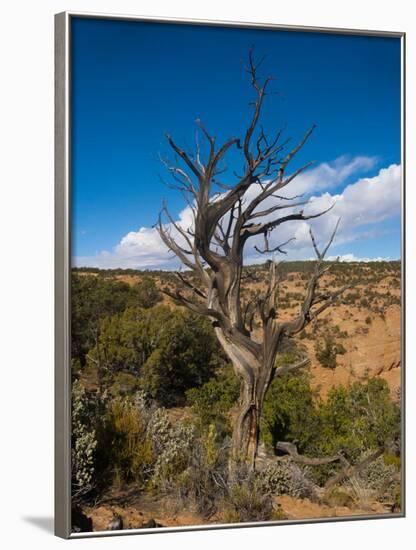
330	174
366	201
352	258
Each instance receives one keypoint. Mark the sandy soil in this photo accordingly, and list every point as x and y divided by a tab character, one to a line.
137	512
295	508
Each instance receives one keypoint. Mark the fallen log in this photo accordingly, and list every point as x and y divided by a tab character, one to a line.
291	450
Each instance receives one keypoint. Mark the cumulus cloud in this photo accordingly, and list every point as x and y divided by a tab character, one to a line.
140	249
348	258
330	174
367	201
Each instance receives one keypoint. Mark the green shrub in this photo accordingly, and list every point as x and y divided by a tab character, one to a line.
247	499
93	298
327	352
338	496
212	401
96	296
145	294
283	477
353	419
204	481
397	497
392	460
171	445
288	411
169	351
357	418
246	502
124	384
125	451
380	477
185	355
83	444
276	478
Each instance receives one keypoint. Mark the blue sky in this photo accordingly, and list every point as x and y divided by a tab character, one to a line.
133	81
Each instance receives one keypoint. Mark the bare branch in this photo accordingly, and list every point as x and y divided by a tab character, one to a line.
278	248
252	229
350	471
178	228
275	208
261	91
210	139
184	156
222	151
293	152
291	450
180	252
329	302
269	190
187	283
290	367
198	154
321	255
193	306
307	314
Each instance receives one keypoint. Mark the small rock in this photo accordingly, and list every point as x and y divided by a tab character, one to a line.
116	523
151	524
80	522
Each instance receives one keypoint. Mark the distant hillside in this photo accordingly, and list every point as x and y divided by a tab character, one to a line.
358	337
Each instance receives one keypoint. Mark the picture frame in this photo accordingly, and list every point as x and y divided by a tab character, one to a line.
64	237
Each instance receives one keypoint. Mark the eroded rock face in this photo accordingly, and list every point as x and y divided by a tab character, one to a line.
373	352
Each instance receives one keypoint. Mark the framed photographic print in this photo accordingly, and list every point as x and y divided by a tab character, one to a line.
229	274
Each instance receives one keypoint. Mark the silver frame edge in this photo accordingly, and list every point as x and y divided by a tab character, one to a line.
228	23
62	289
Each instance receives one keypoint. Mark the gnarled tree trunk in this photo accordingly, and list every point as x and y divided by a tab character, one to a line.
246	427
247	368
212	249
255	372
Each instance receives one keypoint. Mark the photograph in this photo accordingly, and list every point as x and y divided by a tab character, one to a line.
235	274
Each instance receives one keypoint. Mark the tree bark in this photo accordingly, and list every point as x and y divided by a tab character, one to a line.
246	428
247	367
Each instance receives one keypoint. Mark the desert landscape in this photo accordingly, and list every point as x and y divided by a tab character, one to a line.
154	399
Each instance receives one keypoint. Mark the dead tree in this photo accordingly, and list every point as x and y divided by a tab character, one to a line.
225	218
